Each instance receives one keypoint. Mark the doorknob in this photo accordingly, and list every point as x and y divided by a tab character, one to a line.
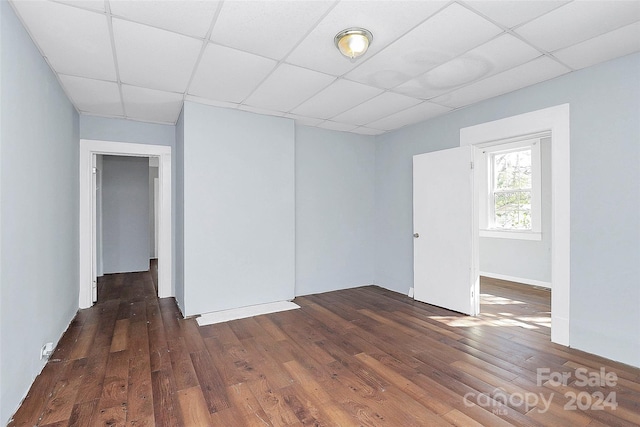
416	235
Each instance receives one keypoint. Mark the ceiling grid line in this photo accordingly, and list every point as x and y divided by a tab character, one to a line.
107	9
205	42
283	60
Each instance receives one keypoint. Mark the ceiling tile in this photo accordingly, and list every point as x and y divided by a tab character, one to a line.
151	105
75	41
234	81
579	21
418	113
154	58
511	13
93	96
497	55
387	20
267	28
614	44
287	87
432	43
530	73
342	127
192	18
335	99
376	108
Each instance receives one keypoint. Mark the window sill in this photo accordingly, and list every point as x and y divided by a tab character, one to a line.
511	234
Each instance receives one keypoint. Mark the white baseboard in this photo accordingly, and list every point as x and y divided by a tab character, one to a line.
244	312
517	279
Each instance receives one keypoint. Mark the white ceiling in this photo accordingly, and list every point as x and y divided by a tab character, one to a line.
141	59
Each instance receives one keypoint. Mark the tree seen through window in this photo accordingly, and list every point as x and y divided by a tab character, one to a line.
512	189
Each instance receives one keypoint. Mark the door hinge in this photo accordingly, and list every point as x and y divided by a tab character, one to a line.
94	170
471	165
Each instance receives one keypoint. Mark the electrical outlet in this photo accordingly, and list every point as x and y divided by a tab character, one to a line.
46	350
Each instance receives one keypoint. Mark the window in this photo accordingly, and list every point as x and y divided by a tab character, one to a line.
511	190
510	205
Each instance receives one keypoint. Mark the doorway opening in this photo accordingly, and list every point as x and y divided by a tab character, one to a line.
126	206
555	121
89	237
514	216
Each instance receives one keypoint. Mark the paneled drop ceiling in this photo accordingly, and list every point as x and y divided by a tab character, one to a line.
141	59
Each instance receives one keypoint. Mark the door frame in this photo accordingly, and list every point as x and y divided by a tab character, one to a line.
556	120
88	150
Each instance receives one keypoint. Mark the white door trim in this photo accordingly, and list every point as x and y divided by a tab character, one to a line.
556	120
89	148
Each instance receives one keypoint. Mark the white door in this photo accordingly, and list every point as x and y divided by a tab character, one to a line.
444	250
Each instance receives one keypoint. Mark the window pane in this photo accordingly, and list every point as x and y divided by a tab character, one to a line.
513	210
524	220
507	219
507	201
512	170
525	200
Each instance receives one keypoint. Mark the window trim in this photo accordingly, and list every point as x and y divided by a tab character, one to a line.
486	187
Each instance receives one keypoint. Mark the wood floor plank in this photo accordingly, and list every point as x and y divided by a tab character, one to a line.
213	388
90	387
224	363
158	348
116	381
120	336
60	403
115	416
166	409
181	364
273	403
84	342
140	393
245	402
193	407
83	413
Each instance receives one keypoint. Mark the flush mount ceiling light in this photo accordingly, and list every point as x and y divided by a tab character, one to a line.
353	42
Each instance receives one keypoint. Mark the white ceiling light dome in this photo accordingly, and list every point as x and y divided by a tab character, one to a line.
353	42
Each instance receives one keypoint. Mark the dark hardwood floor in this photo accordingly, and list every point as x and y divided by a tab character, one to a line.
358	357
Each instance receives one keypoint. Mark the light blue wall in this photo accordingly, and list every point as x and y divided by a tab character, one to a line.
38	210
605	196
179	232
121	130
528	260
125	214
334	210
239	211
